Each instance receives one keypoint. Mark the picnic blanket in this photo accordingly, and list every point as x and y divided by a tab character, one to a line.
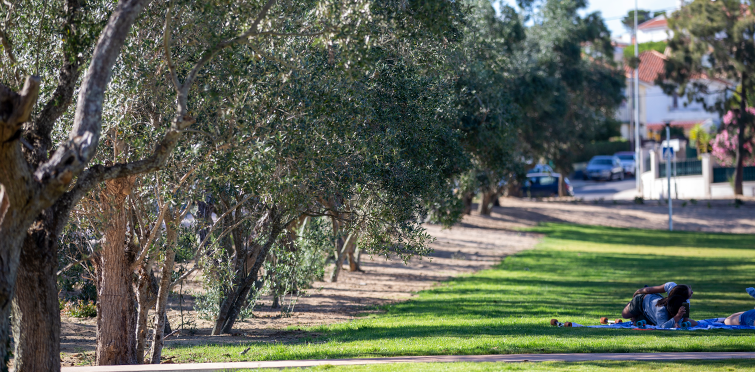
714	323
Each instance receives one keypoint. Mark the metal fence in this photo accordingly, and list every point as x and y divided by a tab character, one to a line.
687	167
723	174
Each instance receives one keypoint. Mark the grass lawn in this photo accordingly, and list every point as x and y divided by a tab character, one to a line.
577	273
692	366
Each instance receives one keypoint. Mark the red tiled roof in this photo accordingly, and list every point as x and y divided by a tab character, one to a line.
651	65
657	22
686	124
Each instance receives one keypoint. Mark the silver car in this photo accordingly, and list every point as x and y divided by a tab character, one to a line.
628	162
604	167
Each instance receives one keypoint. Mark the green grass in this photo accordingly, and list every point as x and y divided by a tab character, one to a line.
603	366
577	273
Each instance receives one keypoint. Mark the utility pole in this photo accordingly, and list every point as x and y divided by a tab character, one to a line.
668	174
637	139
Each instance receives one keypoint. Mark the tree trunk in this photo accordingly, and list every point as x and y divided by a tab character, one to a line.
171	238
741	124
353	257
116	305
340	255
487	196
231	305
235	308
158	339
562	185
146	297
36	312
17	218
467	200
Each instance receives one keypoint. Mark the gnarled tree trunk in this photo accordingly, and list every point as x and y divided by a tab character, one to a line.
487	199
116	305
353	252
36	312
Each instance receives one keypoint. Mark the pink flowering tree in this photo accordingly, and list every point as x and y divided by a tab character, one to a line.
725	143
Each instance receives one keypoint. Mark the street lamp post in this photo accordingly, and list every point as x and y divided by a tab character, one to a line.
668	175
637	139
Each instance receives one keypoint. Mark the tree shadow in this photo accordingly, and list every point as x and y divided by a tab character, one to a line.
657	238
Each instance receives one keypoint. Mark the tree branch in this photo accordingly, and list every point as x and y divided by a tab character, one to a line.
166	47
15	108
72	156
39	132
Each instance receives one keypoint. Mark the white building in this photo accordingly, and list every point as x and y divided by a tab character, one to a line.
655	29
657	108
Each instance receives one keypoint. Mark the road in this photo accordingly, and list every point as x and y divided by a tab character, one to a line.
608	190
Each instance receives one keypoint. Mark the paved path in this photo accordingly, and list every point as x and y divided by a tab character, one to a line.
611	190
505	358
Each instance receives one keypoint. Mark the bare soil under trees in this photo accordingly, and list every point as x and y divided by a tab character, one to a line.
474	244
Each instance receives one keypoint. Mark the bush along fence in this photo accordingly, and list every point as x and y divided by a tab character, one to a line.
691	178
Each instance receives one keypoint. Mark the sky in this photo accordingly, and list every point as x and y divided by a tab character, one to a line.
614	10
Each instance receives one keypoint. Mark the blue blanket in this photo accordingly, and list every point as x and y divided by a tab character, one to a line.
715	323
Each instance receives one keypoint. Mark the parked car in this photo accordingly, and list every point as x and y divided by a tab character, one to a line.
628	162
540	185
604	167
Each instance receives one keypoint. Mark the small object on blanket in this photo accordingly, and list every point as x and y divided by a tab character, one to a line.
686	325
556	323
641	324
605	320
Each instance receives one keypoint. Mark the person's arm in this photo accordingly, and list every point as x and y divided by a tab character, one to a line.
649	290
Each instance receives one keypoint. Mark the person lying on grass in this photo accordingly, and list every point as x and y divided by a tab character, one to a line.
669	312
745	318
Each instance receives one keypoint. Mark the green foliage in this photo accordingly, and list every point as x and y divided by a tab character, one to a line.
701	137
80	309
602	148
568	94
658	46
577	273
642	16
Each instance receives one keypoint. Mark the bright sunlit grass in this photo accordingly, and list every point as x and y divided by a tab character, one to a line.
577	273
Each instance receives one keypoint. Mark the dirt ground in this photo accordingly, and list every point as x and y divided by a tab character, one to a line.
713	216
474	244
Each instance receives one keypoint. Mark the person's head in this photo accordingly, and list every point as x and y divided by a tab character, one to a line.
679	294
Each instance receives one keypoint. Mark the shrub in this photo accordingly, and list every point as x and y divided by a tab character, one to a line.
80	309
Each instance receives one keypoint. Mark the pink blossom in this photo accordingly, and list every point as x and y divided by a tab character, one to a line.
725	143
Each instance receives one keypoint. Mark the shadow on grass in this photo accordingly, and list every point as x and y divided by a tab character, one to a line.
658	238
509	307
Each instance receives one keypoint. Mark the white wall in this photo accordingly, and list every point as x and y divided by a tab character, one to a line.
659	107
723	189
684	187
644	36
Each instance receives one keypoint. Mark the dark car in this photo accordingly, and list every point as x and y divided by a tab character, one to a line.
540	185
604	167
